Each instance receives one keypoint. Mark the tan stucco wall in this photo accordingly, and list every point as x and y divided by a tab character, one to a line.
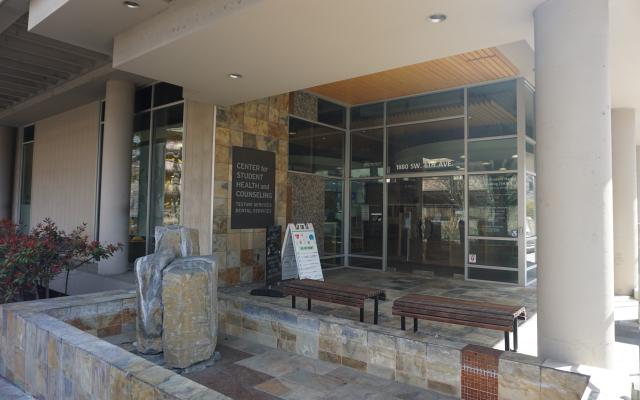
198	170
64	168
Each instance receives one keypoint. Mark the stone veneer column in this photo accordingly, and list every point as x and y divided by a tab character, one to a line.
116	168
575	206
625	205
7	148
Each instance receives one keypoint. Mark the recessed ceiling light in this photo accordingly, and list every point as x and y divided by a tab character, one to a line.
514	156
235	76
131	4
437	18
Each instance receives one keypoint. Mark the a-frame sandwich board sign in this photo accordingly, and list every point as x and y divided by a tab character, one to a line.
300	258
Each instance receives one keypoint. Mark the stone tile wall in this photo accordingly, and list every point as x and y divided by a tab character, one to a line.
407	357
263	125
306	203
52	359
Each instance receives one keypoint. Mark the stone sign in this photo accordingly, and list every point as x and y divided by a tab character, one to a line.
253	188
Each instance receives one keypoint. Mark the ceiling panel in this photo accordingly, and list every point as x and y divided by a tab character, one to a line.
463	69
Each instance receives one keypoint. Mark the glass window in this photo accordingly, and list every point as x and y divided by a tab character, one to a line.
532	244
333	217
492	110
530	157
102	108
366	218
493	253
493	155
331	113
27	174
138	189
429	106
28	134
167	160
426	147
315	148
362	262
331	262
300	145
142	100
532	275
367	149
496	275
493	201
529	109
530	220
367	116
165	93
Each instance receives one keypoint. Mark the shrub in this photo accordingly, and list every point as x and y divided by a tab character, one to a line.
29	260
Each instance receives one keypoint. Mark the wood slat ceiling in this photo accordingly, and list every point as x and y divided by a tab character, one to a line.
31	64
462	69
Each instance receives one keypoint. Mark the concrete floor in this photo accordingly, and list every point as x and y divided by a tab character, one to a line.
10	392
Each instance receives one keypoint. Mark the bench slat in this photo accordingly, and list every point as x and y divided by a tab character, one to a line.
349	301
497	309
424	314
466	323
454	310
333	287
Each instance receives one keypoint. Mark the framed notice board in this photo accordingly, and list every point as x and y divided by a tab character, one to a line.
253	186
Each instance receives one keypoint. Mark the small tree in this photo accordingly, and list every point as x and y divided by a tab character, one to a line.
29	260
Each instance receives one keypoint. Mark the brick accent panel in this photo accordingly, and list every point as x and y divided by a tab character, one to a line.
479	373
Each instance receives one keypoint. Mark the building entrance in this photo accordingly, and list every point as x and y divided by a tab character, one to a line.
426	225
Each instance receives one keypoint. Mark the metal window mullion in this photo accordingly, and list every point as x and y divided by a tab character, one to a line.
466	185
346	191
150	173
385	190
521	182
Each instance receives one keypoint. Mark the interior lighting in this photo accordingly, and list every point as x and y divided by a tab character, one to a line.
235	76
131	4
437	18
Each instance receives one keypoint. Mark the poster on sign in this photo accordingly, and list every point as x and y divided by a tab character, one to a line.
300	253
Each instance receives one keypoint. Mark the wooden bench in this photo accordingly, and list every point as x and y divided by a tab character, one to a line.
333	293
462	312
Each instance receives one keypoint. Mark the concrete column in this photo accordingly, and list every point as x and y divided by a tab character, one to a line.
116	169
625	201
7	153
575	205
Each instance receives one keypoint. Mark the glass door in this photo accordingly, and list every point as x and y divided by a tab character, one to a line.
426	224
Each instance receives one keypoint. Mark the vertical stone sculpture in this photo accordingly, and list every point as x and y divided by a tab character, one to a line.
183	240
148	271
190	324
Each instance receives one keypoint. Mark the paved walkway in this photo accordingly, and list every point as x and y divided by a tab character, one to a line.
10	392
249	371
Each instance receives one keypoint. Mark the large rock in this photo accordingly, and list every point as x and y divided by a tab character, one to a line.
148	271
183	241
190	299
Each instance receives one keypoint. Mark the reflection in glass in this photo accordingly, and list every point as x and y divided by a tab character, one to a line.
142	99
138	189
493	155
362	262
497	275
367	149
166	93
366	218
530	157
333	217
429	106
530	220
331	113
315	148
529	109
492	110
426	224
493	205
167	160
532	244
367	116
493	253
27	174
430	146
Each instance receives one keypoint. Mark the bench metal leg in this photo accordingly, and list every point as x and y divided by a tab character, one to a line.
309	304
415	324
402	323
362	314
375	311
293	301
506	341
515	334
